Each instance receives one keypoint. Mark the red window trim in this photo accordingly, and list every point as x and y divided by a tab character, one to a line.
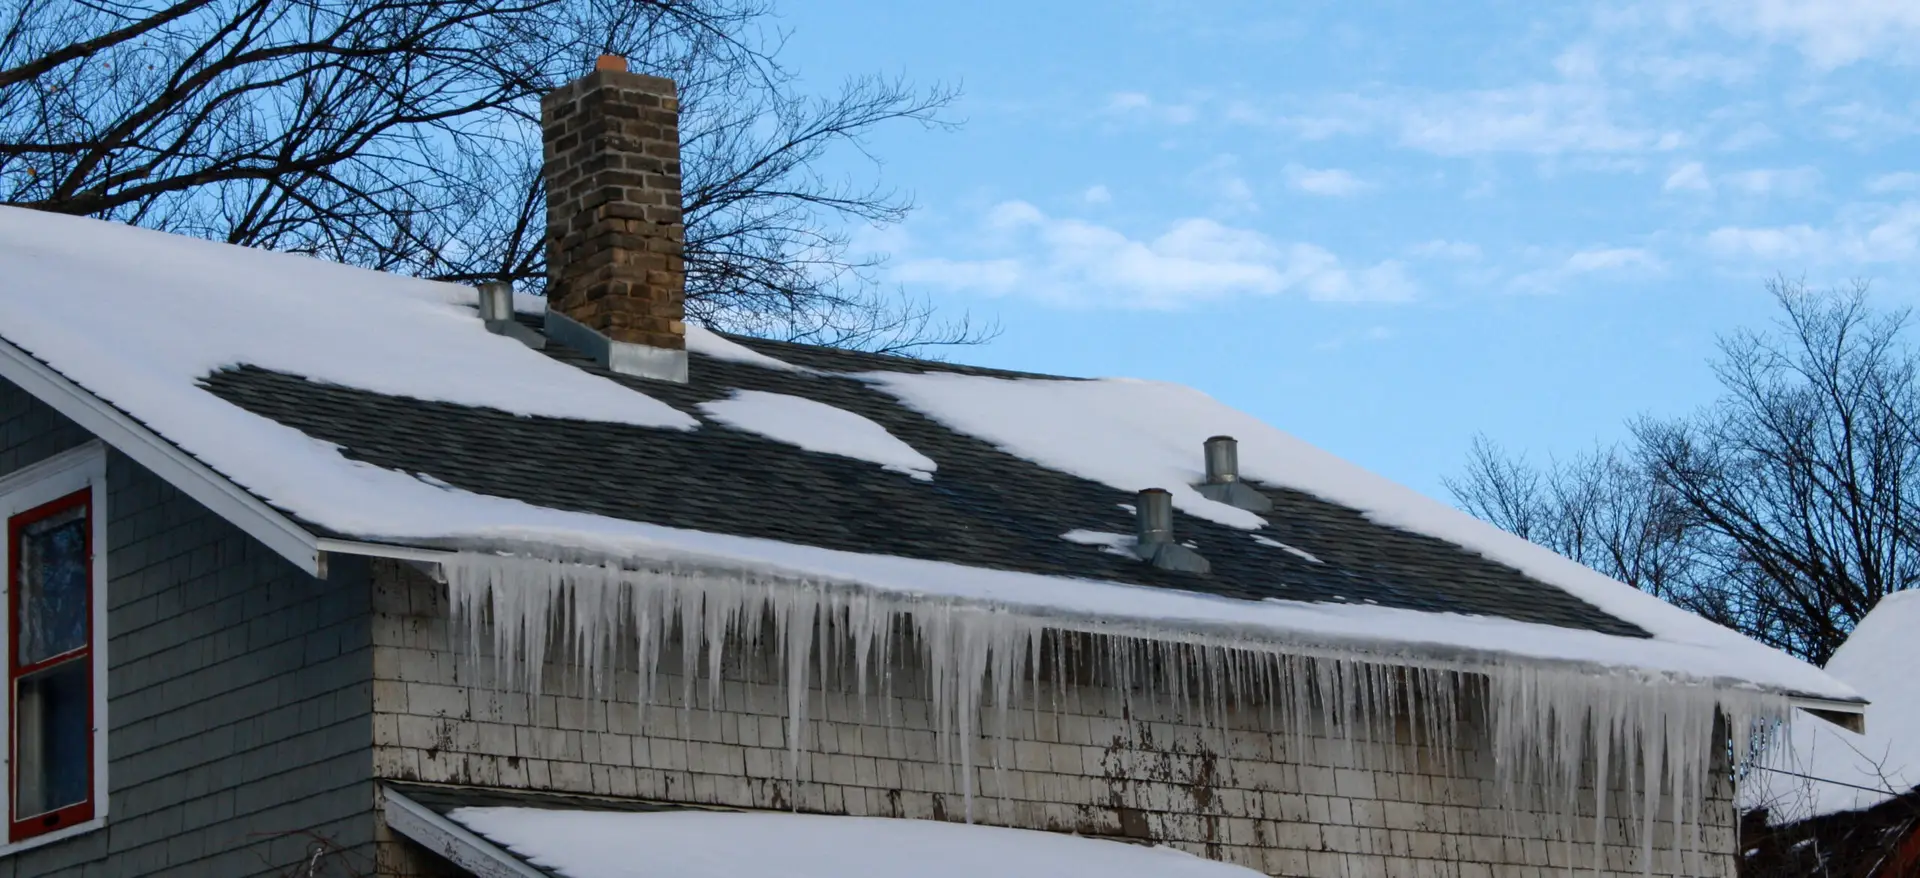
22	828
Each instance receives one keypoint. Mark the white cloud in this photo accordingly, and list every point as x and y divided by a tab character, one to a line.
1610	259
1899	181
1796	242
1691	68
1369	335
1829	33
1690	177
1143	105
1439	248
1075	262
1220	179
1097	194
1536	119
1863	234
1323	181
1748	136
1575	114
1693	177
1862	121
989	276
1593	260
1774	181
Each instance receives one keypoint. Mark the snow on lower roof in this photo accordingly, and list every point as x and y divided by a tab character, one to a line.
138	317
704	844
1819	768
816	426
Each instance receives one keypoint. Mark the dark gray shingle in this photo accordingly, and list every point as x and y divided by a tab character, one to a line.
984	508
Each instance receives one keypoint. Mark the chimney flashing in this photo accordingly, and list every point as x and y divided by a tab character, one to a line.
624	357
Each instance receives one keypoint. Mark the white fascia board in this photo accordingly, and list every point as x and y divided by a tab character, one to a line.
149	449
1849	715
456	843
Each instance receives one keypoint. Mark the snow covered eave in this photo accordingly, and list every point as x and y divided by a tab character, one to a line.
1352	631
182	470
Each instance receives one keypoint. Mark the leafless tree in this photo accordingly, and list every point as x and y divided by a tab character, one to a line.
1599	508
402	135
1781	509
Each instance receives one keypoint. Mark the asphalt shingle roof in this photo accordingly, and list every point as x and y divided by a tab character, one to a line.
984	507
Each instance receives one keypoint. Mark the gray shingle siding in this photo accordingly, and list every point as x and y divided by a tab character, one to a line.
240	689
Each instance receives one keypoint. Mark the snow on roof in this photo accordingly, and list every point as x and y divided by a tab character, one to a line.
1855	771
1131	435
139	317
702	844
702	340
816	426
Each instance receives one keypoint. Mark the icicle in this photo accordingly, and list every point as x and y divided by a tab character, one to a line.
1555	734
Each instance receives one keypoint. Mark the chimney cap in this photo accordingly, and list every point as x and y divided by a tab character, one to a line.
609	61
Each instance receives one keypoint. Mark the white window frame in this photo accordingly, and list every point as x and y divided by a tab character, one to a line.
83	468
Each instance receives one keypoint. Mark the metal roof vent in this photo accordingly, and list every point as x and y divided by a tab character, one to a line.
496	309
1223	478
1155	545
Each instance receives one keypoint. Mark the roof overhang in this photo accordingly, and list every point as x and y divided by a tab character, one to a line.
1849	715
450	840
147	448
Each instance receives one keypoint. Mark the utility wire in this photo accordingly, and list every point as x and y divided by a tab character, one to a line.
1839	783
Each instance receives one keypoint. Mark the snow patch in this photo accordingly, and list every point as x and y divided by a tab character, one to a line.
1271	543
1111	543
816	426
138	316
1879	659
701	340
1131	434
695	844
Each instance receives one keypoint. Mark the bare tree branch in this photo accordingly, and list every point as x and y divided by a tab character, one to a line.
1780	510
403	135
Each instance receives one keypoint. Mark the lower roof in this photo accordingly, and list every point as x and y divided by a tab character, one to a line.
533	836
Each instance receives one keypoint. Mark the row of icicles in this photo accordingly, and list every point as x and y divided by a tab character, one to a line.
1552	731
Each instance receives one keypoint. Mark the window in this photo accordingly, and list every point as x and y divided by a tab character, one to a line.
50	666
54	705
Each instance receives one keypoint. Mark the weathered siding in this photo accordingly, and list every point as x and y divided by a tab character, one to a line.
239	695
1076	765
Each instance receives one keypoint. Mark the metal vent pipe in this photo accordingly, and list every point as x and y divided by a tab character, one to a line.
1223	460
496	301
1154	507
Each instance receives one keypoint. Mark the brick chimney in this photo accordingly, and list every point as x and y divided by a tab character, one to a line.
616	285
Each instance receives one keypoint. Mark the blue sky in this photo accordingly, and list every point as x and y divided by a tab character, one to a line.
1386	226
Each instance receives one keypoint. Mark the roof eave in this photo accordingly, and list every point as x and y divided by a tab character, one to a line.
1846	713
166	460
1849	715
